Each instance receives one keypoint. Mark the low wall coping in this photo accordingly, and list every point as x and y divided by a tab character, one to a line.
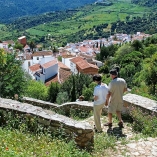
139	101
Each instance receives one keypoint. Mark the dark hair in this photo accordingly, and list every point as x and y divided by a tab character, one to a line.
97	77
113	72
117	68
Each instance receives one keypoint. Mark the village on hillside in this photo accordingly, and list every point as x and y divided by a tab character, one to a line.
43	65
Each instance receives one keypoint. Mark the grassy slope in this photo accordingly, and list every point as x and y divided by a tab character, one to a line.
88	17
84	19
17	144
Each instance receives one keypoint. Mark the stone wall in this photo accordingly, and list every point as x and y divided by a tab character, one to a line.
146	104
82	132
129	100
66	107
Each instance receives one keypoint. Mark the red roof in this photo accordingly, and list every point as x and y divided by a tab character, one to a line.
49	64
43	53
85	49
35	67
65	55
76	59
28	56
9	42
26	47
84	65
64	74
63	66
52	79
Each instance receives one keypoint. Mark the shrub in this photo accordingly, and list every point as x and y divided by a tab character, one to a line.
37	90
144	122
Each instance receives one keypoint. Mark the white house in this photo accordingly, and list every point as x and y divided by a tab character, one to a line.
33	69
27	61
5	44
1	45
30	59
98	63
47	71
66	60
26	48
73	64
44	70
37	56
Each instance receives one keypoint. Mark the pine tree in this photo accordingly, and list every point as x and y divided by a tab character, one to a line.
53	91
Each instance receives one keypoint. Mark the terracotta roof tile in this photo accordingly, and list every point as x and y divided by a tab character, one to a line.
9	42
63	66
49	64
52	79
35	67
86	56
85	49
76	59
64	74
67	56
43	53
84	65
93	66
26	47
28	56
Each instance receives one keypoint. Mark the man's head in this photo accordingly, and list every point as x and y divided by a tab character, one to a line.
81	98
97	78
113	73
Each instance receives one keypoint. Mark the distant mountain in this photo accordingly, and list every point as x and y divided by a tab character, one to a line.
12	9
147	3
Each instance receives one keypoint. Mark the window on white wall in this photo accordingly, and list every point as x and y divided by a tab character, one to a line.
29	64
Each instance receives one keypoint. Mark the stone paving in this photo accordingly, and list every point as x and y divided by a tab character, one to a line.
133	148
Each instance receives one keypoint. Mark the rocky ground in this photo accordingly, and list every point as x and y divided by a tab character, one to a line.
133	145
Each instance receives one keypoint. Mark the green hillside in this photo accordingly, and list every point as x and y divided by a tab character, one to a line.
13	9
89	22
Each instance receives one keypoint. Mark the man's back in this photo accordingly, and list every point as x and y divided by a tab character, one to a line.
100	91
116	87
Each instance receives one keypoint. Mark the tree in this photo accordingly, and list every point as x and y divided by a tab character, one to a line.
150	73
62	97
55	49
88	92
121	52
53	91
129	63
104	53
73	90
150	50
75	84
12	78
3	57
32	45
36	90
137	45
18	46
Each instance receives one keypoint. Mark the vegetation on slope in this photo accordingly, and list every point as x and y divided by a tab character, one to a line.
89	22
11	9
